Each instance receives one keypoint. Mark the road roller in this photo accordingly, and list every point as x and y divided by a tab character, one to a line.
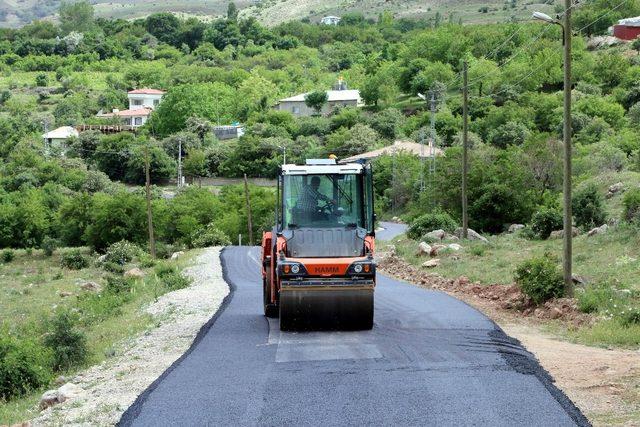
317	262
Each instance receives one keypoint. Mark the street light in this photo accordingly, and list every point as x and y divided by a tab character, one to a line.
568	223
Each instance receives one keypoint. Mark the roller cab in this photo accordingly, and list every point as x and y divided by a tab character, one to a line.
318	266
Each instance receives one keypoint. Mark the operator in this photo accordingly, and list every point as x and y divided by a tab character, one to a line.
310	196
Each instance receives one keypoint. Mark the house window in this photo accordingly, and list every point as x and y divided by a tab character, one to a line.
137	102
127	121
156	102
296	110
138	121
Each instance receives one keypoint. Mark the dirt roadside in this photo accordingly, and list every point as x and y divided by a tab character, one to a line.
603	383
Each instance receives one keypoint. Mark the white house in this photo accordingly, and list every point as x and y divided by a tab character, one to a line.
141	103
59	136
330	20
335	99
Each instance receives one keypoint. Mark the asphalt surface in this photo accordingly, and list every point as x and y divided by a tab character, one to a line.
429	360
390	230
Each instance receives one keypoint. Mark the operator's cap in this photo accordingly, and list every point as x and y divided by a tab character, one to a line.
333	156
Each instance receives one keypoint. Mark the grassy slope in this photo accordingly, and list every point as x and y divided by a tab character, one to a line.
272	12
612	258
30	289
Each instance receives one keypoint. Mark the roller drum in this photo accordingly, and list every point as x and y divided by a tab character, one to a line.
326	308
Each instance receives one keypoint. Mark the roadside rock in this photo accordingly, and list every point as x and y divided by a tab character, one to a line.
423	249
579	280
451	237
102	258
455	247
65	294
598	230
515	227
134	273
49	398
436	249
436	234
60	380
615	189
602	41
69	391
91	287
176	255
471	235
431	263
559	234
66	392
555	313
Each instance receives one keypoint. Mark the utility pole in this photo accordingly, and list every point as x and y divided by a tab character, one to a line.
179	162
568	223
465	147
249	222
152	241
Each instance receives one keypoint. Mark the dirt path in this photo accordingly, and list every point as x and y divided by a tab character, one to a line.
108	389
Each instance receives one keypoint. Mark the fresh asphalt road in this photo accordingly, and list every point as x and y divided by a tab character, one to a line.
429	360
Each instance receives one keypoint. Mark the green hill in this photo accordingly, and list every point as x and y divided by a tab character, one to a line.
15	13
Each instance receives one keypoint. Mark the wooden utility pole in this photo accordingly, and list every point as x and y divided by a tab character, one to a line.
249	223
568	216
465	147
152	240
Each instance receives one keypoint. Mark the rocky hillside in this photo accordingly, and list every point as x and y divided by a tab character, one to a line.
271	12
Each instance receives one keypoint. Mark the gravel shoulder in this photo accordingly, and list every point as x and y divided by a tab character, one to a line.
107	390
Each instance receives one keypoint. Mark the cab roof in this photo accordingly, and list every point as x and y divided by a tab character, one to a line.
322	169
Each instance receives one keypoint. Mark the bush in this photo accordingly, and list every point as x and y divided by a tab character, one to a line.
630	317
119	285
113	267
426	223
631	203
74	260
8	255
68	343
49	245
540	279
597	298
122	252
546	220
164	250
588	209
170	277
24	366
210	236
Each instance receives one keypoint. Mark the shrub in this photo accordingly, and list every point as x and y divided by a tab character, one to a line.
122	252
49	245
596	298
119	285
74	260
588	209
113	267
68	343
164	250
8	255
631	203
630	317
546	220
210	236
540	279
438	220
24	366
170	277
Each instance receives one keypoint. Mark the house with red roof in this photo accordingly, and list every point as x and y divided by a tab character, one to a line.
141	103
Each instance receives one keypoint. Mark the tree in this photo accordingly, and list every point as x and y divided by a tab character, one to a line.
636	44
195	165
213	101
232	12
117	217
76	16
165	27
316	100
